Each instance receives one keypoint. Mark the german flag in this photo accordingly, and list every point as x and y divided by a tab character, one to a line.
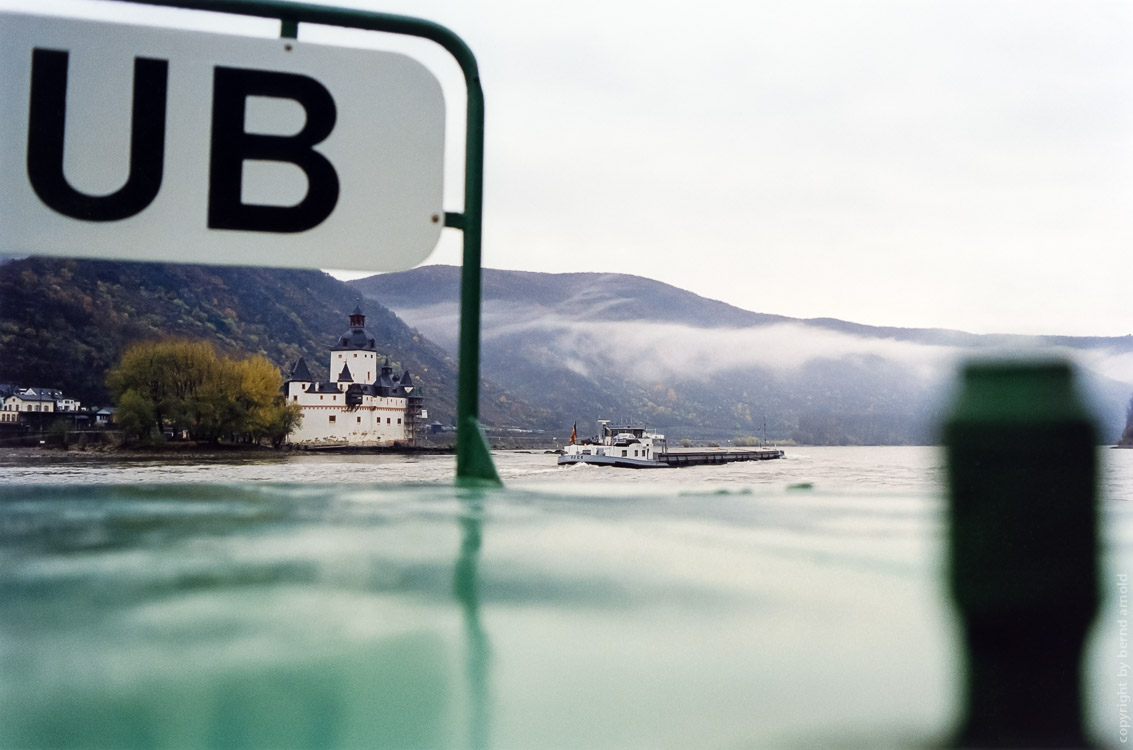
574	434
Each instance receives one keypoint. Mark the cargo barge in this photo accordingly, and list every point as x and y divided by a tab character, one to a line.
632	447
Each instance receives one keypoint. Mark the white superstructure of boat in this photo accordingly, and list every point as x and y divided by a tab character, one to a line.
625	445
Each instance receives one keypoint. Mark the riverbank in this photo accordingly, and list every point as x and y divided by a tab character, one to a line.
196	451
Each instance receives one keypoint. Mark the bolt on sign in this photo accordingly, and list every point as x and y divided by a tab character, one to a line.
141	143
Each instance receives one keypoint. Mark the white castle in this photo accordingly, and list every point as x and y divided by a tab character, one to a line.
365	404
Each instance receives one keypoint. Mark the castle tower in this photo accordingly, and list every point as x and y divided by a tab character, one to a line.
356	350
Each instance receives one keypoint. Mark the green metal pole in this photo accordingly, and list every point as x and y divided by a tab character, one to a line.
473	457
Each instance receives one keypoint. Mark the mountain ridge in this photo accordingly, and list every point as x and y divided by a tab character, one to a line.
592	345
557	349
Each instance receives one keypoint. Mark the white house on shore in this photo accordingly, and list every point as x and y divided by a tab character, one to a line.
17	402
364	404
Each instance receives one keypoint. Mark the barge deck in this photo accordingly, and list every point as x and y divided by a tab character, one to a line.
702	456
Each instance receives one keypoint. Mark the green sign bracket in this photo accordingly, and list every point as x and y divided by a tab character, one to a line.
474	464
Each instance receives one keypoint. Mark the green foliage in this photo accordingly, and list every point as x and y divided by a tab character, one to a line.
277	421
135	415
185	386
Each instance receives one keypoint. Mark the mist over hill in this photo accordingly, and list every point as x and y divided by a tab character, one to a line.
65	322
591	345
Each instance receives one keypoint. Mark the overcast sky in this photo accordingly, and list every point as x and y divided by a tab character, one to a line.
938	163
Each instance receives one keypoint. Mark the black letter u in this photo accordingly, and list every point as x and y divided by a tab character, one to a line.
47	126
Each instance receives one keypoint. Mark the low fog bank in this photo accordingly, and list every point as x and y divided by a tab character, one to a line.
801	380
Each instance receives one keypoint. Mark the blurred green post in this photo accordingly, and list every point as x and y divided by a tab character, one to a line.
1023	544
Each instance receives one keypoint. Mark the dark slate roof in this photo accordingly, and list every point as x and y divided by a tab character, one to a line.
323	387
38	394
376	389
345	375
354	339
300	372
385	377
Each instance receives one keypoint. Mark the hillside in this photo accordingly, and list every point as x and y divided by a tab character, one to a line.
65	322
590	345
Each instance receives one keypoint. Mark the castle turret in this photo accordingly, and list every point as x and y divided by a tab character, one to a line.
300	372
297	381
356	348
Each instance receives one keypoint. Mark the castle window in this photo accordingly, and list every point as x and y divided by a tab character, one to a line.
359	420
294	398
332	419
387	420
355	355
399	420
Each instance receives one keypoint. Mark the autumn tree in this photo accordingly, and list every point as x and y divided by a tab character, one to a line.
186	386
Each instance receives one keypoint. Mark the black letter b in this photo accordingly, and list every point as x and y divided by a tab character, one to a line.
232	146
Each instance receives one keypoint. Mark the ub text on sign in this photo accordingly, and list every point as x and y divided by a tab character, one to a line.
152	144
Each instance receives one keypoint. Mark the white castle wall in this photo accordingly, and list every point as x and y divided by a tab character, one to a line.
378	420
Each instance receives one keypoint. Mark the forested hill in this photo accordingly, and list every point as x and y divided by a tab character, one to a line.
65	322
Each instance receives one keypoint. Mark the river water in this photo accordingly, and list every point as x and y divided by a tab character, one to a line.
886	469
362	601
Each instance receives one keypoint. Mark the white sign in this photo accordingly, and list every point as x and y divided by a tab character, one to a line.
152	144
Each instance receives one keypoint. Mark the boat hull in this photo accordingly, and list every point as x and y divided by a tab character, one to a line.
673	459
616	461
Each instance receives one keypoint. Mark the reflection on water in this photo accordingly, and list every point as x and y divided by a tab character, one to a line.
600	612
466	587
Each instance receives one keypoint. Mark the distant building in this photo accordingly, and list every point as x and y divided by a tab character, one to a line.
19	404
364	404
